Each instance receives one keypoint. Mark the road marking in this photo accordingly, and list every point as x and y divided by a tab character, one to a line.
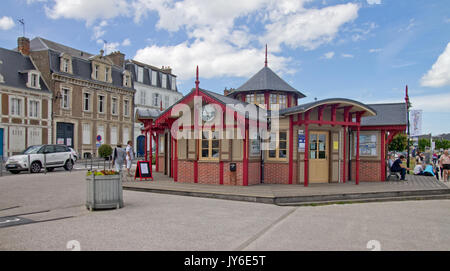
9	208
266	229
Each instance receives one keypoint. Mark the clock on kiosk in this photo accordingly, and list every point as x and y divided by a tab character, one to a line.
208	113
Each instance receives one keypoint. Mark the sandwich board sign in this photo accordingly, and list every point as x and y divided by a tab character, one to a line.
143	170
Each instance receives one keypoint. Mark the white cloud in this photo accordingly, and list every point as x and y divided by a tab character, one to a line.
373	2
126	42
6	23
347	56
432	103
328	55
309	28
377	50
99	30
213	59
216	38
439	75
87	10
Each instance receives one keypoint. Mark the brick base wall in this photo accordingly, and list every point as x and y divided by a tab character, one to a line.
185	171
278	173
254	173
369	171
161	164
208	173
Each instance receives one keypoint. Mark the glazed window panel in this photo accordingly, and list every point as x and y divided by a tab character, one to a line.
278	146
367	144
65	101
210	145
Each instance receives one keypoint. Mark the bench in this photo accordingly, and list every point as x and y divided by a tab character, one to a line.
390	173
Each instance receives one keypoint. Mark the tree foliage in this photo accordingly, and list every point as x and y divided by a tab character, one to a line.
442	144
399	143
105	151
423	143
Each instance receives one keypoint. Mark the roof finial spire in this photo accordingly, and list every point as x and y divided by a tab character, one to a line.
266	57
197	82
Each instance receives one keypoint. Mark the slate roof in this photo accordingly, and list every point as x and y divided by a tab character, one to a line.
387	114
266	79
304	107
41	44
13	69
132	65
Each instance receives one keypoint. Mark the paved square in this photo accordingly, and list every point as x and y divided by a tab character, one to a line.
166	222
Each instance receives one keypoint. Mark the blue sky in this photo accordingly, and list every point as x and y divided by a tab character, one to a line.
367	50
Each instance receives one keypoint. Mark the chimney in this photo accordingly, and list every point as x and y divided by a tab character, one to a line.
117	58
23	45
226	92
167	69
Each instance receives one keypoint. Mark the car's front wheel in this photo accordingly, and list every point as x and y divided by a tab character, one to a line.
35	167
69	165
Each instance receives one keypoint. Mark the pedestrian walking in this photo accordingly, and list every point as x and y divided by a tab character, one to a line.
445	164
119	156
129	157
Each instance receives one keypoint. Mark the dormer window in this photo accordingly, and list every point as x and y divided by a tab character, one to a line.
107	71
174	83
33	80
164	81
66	63
126	79
96	71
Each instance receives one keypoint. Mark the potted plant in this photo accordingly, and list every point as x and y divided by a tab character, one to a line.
104	190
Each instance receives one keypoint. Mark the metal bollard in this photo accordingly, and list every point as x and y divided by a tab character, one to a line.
29	165
45	163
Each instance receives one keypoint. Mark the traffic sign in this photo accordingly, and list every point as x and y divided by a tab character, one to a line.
99	138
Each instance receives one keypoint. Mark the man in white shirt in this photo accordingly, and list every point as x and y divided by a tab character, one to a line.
130	156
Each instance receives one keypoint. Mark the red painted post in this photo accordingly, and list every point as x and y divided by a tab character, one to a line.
245	162
291	148
267	99
357	154
145	145
221	172
383	156
156	153
175	164
344	166
151	151
306	149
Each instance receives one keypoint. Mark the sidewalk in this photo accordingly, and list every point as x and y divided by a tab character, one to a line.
417	187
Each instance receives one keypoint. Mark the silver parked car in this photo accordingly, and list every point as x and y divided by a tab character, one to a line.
55	156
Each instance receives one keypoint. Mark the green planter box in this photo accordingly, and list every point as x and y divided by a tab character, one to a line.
104	192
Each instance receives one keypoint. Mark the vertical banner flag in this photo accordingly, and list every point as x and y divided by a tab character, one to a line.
416	122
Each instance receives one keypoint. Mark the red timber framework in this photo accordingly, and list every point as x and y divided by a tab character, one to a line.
166	122
352	112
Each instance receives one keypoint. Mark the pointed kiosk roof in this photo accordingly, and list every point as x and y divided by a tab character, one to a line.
266	80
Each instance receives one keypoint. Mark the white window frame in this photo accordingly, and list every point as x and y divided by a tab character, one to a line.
116	106
89	101
114	128
107	71
140	74
154	78
96	70
63	96
174	83
155	98
104	103
142	97
20	104
86	138
38	107
30	83
164	81
126	111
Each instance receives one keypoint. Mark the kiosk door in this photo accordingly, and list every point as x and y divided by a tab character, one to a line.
319	157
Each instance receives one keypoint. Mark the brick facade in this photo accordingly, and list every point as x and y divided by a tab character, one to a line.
369	171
